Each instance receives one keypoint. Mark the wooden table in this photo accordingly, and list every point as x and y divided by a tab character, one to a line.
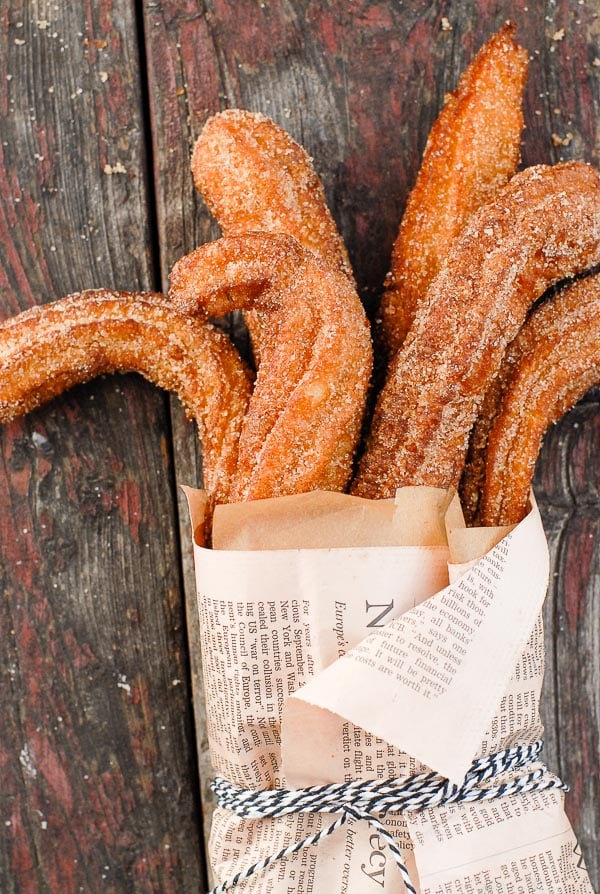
104	770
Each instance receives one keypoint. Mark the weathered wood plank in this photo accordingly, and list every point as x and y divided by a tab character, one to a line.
97	766
360	85
567	489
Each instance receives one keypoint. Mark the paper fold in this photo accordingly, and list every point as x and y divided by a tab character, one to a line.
441	666
346	639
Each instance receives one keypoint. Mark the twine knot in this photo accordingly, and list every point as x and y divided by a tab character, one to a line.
372	799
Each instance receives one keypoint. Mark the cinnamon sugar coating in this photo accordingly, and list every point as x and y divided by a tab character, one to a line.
48	349
254	177
543	226
305	413
471	482
551	364
472	150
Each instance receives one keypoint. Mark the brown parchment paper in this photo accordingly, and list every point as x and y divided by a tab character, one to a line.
343	639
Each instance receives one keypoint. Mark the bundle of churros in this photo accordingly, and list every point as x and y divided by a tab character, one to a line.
349	614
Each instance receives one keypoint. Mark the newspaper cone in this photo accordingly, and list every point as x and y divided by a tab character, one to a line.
345	639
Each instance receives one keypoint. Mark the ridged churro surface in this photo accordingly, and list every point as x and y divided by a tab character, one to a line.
544	226
304	417
48	349
553	361
254	176
472	150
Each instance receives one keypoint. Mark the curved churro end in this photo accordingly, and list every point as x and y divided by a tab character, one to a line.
543	226
48	349
473	149
553	361
305	413
235	270
254	176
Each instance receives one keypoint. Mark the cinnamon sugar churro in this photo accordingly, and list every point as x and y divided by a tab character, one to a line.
254	176
48	349
472	150
551	364
305	413
542	227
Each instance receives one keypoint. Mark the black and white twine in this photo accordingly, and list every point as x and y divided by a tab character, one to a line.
372	799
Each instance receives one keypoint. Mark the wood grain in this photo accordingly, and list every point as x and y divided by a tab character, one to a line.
567	489
359	85
98	776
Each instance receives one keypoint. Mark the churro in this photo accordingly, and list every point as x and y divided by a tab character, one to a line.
254	177
48	349
550	365
305	413
543	226
472	150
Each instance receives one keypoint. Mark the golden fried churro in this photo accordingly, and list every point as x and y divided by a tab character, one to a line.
253	176
553	361
48	349
472	481
543	226
305	412
472	150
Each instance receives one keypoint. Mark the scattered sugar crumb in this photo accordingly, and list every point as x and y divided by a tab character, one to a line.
99	44
123	684
446	26
43	24
115	169
596	62
557	140
559	35
19	42
103	75
26	761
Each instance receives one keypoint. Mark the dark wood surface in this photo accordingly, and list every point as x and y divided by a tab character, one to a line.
99	786
104	769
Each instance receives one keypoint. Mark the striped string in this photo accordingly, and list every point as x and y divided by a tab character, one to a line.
372	799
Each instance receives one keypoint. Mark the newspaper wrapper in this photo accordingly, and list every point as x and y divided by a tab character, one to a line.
349	639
